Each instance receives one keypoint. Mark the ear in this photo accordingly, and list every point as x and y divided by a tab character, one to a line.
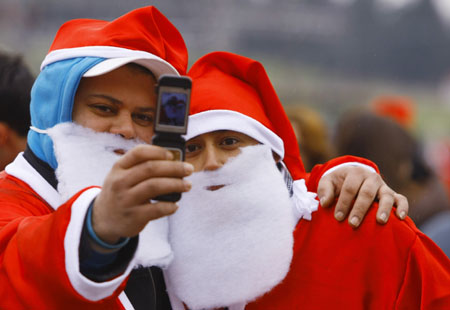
5	133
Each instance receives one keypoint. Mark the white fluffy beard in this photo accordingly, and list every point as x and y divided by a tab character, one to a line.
84	158
233	244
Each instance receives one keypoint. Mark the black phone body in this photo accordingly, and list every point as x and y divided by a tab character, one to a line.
172	111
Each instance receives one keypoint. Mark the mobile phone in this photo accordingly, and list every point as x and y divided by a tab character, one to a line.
172	111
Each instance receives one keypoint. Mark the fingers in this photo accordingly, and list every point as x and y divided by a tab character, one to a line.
132	220
385	204
151	188
154	169
384	209
141	153
349	190
387	199
366	196
402	206
123	206
349	183
121	188
142	214
146	177
326	191
155	210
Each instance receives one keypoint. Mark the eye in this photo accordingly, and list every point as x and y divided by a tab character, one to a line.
192	148
229	141
103	108
143	119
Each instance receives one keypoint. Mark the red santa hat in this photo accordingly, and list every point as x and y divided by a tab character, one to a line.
144	36
232	92
399	108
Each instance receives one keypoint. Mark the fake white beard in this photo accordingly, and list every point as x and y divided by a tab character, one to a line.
233	244
84	158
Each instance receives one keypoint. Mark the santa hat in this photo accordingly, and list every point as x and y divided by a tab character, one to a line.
398	108
232	92
143	36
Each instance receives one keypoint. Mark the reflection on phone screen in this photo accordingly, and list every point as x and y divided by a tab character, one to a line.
173	109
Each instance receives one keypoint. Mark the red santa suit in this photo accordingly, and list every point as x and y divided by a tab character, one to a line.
39	238
392	266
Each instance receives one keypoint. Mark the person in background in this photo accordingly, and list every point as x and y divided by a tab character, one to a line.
364	134
312	135
250	235
399	108
440	154
15	86
403	110
315	147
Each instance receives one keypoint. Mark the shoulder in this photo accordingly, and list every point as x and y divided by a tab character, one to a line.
363	253
12	187
325	228
19	199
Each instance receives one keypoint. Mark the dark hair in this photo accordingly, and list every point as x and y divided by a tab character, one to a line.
16	81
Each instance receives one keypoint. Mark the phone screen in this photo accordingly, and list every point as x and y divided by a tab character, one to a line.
173	109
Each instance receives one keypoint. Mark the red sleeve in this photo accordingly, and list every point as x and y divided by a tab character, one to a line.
426	284
318	170
34	271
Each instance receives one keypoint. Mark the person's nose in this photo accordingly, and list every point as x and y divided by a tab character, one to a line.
213	159
124	126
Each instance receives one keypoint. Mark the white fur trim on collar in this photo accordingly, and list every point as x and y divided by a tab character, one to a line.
213	120
305	202
21	169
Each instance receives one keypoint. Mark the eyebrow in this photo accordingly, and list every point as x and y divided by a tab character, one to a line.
109	98
118	102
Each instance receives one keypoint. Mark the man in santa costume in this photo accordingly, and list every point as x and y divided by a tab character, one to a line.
57	250
78	226
251	242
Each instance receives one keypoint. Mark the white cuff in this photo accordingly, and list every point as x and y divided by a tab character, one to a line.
87	288
353	163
